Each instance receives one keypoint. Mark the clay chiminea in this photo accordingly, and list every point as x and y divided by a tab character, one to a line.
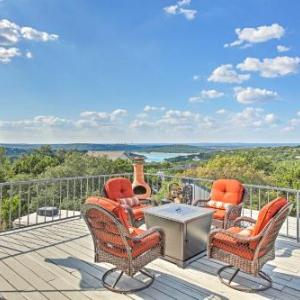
140	187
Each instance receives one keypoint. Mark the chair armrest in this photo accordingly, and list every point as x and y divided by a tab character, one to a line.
232	213
130	213
147	202
239	238
200	202
237	222
148	232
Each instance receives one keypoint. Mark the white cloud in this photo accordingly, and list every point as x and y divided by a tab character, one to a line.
221	111
184	2
174	117
227	74
196	77
50	121
96	119
171	118
293	123
11	34
142	124
189	14
282	48
288	129
176	123
29	54
170	126
30	33
271	67
251	95
251	35
271	118
206	95
171	10
149	108
7	54
180	9
118	113
88	119
208	123
35	123
253	118
142	115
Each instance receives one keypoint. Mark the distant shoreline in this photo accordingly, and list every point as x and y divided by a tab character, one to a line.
16	150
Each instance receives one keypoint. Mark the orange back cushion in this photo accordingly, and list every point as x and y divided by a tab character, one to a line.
111	206
227	190
267	213
117	188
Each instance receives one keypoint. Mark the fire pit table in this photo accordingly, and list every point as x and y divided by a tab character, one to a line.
186	227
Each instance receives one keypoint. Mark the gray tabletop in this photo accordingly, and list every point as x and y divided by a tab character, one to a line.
181	213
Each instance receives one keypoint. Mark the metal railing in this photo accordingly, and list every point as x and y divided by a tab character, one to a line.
21	201
256	197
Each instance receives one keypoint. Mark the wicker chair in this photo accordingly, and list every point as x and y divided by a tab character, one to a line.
129	249
120	189
248	249
226	199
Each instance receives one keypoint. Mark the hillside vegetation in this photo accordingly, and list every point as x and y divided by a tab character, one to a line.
278	166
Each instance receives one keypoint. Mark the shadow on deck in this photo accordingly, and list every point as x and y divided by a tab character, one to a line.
55	261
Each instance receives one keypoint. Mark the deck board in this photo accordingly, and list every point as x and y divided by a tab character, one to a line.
55	261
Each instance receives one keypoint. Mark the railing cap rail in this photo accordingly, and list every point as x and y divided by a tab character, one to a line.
247	185
58	179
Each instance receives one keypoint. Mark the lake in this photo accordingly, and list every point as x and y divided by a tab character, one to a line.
160	156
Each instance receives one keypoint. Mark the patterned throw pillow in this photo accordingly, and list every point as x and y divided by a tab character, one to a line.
218	204
246	231
130	201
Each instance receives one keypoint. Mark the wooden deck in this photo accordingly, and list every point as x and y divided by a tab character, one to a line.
55	261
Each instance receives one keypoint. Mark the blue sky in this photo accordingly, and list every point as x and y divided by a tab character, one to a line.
149	71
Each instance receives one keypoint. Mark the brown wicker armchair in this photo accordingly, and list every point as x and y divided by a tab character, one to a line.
248	249
129	249
119	189
226	199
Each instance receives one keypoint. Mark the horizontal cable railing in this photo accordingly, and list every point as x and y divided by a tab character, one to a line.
22	203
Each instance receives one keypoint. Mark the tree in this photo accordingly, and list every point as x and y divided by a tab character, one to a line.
230	166
36	162
5	166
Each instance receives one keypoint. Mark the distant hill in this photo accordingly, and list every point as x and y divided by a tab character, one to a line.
176	148
15	150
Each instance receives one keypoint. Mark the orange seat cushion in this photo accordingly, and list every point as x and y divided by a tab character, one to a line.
137	248
219	214
117	188
267	213
231	245
147	243
111	206
228	191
